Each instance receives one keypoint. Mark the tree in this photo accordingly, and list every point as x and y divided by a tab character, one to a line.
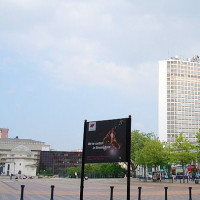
48	172
137	144
154	153
182	151
140	160
72	170
103	170
198	147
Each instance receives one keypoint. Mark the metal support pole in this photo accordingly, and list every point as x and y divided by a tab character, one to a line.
128	139
111	192
83	161
190	193
128	181
139	193
166	193
52	190
22	192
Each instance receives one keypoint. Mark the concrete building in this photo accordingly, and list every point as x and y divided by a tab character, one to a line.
179	98
20	156
4	132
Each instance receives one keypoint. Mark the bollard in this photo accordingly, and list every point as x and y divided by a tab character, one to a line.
180	180
139	193
187	180
52	189
166	193
190	193
111	192
22	192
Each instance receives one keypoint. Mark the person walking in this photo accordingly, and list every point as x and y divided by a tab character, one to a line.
10	174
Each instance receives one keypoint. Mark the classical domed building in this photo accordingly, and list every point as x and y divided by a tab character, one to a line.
20	156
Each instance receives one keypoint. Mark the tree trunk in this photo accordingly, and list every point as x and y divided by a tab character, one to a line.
145	174
134	167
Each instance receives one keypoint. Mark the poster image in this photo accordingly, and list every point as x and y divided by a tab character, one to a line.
106	141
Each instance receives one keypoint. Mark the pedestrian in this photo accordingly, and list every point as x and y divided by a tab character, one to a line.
193	176
10	174
197	175
190	176
173	177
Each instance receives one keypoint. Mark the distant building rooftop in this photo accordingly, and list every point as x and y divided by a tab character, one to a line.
10	143
196	58
4	132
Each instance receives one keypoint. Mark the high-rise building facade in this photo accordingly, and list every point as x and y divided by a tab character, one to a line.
179	98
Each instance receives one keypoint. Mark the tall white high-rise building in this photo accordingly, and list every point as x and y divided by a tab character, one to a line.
179	98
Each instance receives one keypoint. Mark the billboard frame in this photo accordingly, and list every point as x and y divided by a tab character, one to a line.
128	145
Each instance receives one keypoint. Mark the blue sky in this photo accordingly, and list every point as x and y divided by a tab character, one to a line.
64	61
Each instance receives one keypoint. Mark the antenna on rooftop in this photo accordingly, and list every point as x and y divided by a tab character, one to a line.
195	58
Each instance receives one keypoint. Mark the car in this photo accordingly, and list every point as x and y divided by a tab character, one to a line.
149	176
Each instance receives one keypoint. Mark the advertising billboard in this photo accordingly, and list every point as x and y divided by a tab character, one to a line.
106	141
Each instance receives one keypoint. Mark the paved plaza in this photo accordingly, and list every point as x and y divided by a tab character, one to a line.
95	189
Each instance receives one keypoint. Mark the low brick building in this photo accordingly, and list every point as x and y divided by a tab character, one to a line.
59	161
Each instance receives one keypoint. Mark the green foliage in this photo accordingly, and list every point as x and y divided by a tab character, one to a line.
90	168
46	172
62	173
140	159
98	170
198	147
182	151
105	169
153	153
138	141
71	171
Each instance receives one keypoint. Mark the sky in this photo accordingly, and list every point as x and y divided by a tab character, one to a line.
66	61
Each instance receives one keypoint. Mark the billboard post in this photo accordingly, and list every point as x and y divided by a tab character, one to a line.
83	161
128	139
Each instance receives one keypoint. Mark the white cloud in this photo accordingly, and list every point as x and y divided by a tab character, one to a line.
86	72
83	42
89	72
